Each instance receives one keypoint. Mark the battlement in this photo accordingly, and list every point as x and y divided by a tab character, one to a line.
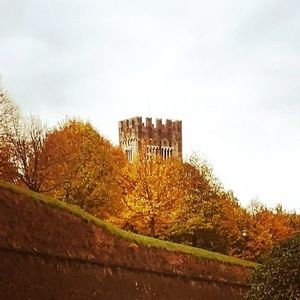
137	123
163	139
130	123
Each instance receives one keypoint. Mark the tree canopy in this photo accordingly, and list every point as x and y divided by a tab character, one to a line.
176	200
84	167
279	275
154	190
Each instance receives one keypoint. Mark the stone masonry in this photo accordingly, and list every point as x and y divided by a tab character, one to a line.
163	140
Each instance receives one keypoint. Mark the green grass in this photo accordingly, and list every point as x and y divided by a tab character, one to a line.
140	239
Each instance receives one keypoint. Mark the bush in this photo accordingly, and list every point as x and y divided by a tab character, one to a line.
279	275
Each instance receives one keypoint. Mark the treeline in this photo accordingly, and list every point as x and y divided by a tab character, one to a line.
170	199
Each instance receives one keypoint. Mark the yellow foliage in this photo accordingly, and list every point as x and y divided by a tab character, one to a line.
84	168
154	191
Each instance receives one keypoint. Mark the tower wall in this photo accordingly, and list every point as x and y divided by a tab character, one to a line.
162	139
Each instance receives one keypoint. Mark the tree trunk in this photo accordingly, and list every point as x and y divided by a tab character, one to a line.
152	227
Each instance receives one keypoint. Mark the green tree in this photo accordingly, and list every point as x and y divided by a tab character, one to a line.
279	275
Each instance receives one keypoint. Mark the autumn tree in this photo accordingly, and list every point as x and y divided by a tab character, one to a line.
7	171
9	118
31	158
210	217
201	192
229	225
9	113
25	143
84	167
21	146
267	228
154	190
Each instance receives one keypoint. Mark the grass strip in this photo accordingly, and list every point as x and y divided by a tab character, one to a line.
140	239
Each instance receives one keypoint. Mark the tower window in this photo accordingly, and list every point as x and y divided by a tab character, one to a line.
129	154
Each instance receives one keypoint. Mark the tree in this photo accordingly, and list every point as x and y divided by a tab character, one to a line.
229	224
23	158
32	160
267	228
211	217
154	190
9	117
7	169
279	275
9	114
201	194
26	147
84	167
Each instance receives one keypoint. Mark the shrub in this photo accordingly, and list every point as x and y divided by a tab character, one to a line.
279	275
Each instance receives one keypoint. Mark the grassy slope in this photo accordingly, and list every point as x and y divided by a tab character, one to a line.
144	240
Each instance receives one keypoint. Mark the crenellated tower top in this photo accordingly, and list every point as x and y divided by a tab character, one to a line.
163	139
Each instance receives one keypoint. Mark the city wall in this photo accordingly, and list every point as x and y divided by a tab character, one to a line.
48	253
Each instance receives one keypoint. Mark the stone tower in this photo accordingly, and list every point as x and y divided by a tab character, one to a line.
163	140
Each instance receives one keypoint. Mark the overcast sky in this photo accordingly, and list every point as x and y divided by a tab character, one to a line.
230	70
